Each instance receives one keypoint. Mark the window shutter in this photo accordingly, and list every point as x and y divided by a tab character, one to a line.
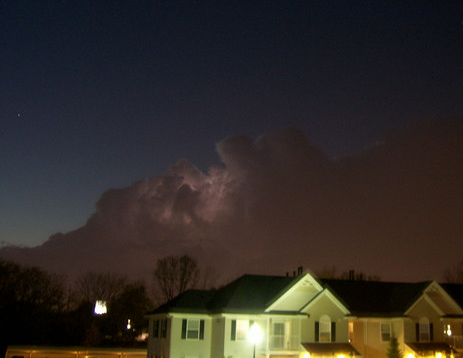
233	330
431	332
317	331
417	331
201	329
333	331
183	328
164	328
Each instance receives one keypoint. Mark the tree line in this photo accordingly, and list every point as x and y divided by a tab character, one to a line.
40	308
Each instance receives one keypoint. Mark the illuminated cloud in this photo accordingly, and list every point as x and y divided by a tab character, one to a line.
278	203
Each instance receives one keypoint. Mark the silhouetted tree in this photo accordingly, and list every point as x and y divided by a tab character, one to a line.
92	286
208	278
132	304
31	302
393	350
175	274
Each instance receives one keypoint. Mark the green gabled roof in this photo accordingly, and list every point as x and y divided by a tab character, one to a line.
247	294
253	294
250	293
191	301
455	290
376	298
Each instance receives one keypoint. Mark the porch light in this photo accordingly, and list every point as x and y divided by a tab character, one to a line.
410	355
306	355
341	356
448	331
255	333
255	336
439	355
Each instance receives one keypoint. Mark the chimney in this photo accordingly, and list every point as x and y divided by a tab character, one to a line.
299	270
351	275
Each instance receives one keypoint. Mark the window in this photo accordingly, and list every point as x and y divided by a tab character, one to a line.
160	328
239	329
164	328
351	331
385	332
285	334
278	337
156	328
424	330
325	329
192	329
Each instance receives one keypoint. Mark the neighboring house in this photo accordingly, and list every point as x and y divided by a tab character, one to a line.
303	316
423	317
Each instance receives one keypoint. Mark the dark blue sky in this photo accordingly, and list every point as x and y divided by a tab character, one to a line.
99	94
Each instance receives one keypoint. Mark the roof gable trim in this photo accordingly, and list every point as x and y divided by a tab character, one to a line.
306	279
326	293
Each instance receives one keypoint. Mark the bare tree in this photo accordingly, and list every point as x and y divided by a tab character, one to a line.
209	278
332	273
175	274
92	286
327	272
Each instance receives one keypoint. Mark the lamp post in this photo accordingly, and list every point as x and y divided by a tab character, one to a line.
255	336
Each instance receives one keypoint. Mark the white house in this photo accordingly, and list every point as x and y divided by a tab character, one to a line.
303	316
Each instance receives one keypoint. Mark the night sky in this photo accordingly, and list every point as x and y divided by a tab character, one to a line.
97	95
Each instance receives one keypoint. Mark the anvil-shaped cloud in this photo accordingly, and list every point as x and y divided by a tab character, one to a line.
395	210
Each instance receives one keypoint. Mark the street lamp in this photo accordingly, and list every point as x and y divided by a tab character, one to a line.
255	336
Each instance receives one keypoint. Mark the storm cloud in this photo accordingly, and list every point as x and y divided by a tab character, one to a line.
394	210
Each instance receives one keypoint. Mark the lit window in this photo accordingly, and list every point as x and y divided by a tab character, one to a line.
325	329
100	307
385	332
351	331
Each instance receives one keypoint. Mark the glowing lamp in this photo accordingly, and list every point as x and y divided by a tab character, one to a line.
449	330
306	355
341	356
410	355
255	334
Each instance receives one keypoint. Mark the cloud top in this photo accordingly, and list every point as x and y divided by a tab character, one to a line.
277	203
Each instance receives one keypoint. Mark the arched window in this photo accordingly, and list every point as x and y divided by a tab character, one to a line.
424	330
325	329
